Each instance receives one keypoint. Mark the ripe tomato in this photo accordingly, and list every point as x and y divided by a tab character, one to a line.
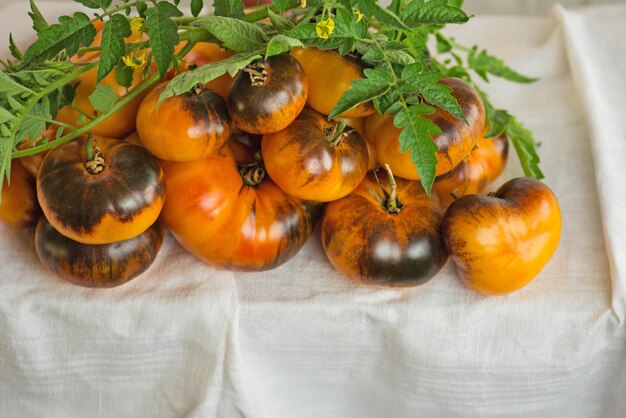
188	127
204	53
19	207
268	94
500	243
359	125
455	142
330	75
105	265
475	173
382	240
116	204
312	161
230	215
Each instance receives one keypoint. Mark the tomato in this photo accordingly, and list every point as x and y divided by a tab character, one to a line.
330	75
105	265
455	142
19	207
475	173
387	240
500	243
230	215
188	127
359	125
312	161
268	94
204	53
32	162
116	204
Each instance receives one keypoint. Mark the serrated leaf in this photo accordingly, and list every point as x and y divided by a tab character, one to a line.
6	146
385	102
68	94
417	138
39	22
95	4
372	10
124	74
13	48
196	7
141	7
69	34
484	63
282	5
163	33
10	87
433	12
307	34
376	83
113	46
103	98
498	123
280	23
5	115
281	43
234	34
33	123
228	8
524	143
455	3
443	44
184	82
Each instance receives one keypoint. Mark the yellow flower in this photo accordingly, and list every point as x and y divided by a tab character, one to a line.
136	24
133	61
325	28
303	3
359	15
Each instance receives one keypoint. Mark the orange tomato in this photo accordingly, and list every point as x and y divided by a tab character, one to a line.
19	207
204	53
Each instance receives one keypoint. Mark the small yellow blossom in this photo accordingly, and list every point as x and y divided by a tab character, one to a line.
325	28
359	15
136	24
303	3
134	61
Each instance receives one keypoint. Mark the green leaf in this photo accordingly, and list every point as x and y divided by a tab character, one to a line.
498	124
39	22
484	63
141	7
124	74
307	34
282	5
113	46
443	44
196	7
455	3
433	12
5	115
33	123
95	4
376	83
417	138
184	82
388	102
372	10
10	87
103	98
13	48
68	94
163	33
281	43
234	34
229	8
524	143
6	148
280	23
68	34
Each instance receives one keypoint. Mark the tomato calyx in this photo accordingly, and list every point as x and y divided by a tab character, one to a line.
95	163
387	199
257	72
253	173
337	133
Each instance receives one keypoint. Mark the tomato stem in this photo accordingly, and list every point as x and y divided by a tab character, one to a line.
253	173
337	133
95	159
258	73
392	204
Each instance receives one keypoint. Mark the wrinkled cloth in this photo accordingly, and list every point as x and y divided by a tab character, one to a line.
186	340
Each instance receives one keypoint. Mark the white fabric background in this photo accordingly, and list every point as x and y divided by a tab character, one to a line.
185	340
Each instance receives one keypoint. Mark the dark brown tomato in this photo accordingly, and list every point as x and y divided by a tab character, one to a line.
372	245
312	161
107	265
268	94
116	204
19	207
188	127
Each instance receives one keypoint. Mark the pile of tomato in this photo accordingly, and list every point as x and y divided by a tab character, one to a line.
241	170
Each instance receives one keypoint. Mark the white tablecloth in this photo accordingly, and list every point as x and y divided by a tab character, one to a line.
185	340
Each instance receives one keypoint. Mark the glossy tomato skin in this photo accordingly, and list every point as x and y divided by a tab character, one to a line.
204	53
359	125
117	204
455	142
188	127
475	173
272	106
107	265
19	207
500	243
303	161
371	246
330	75
229	225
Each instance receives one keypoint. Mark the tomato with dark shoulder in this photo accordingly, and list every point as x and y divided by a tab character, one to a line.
19	207
229	214
114	196
106	265
384	236
455	143
314	159
330	75
267	95
188	127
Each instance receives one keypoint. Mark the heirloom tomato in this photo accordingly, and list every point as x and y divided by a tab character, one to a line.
204	53
315	159
330	75
474	174
19	207
113	196
384	237
106	265
188	127
456	141
229	214
500	242
267	95
358	124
